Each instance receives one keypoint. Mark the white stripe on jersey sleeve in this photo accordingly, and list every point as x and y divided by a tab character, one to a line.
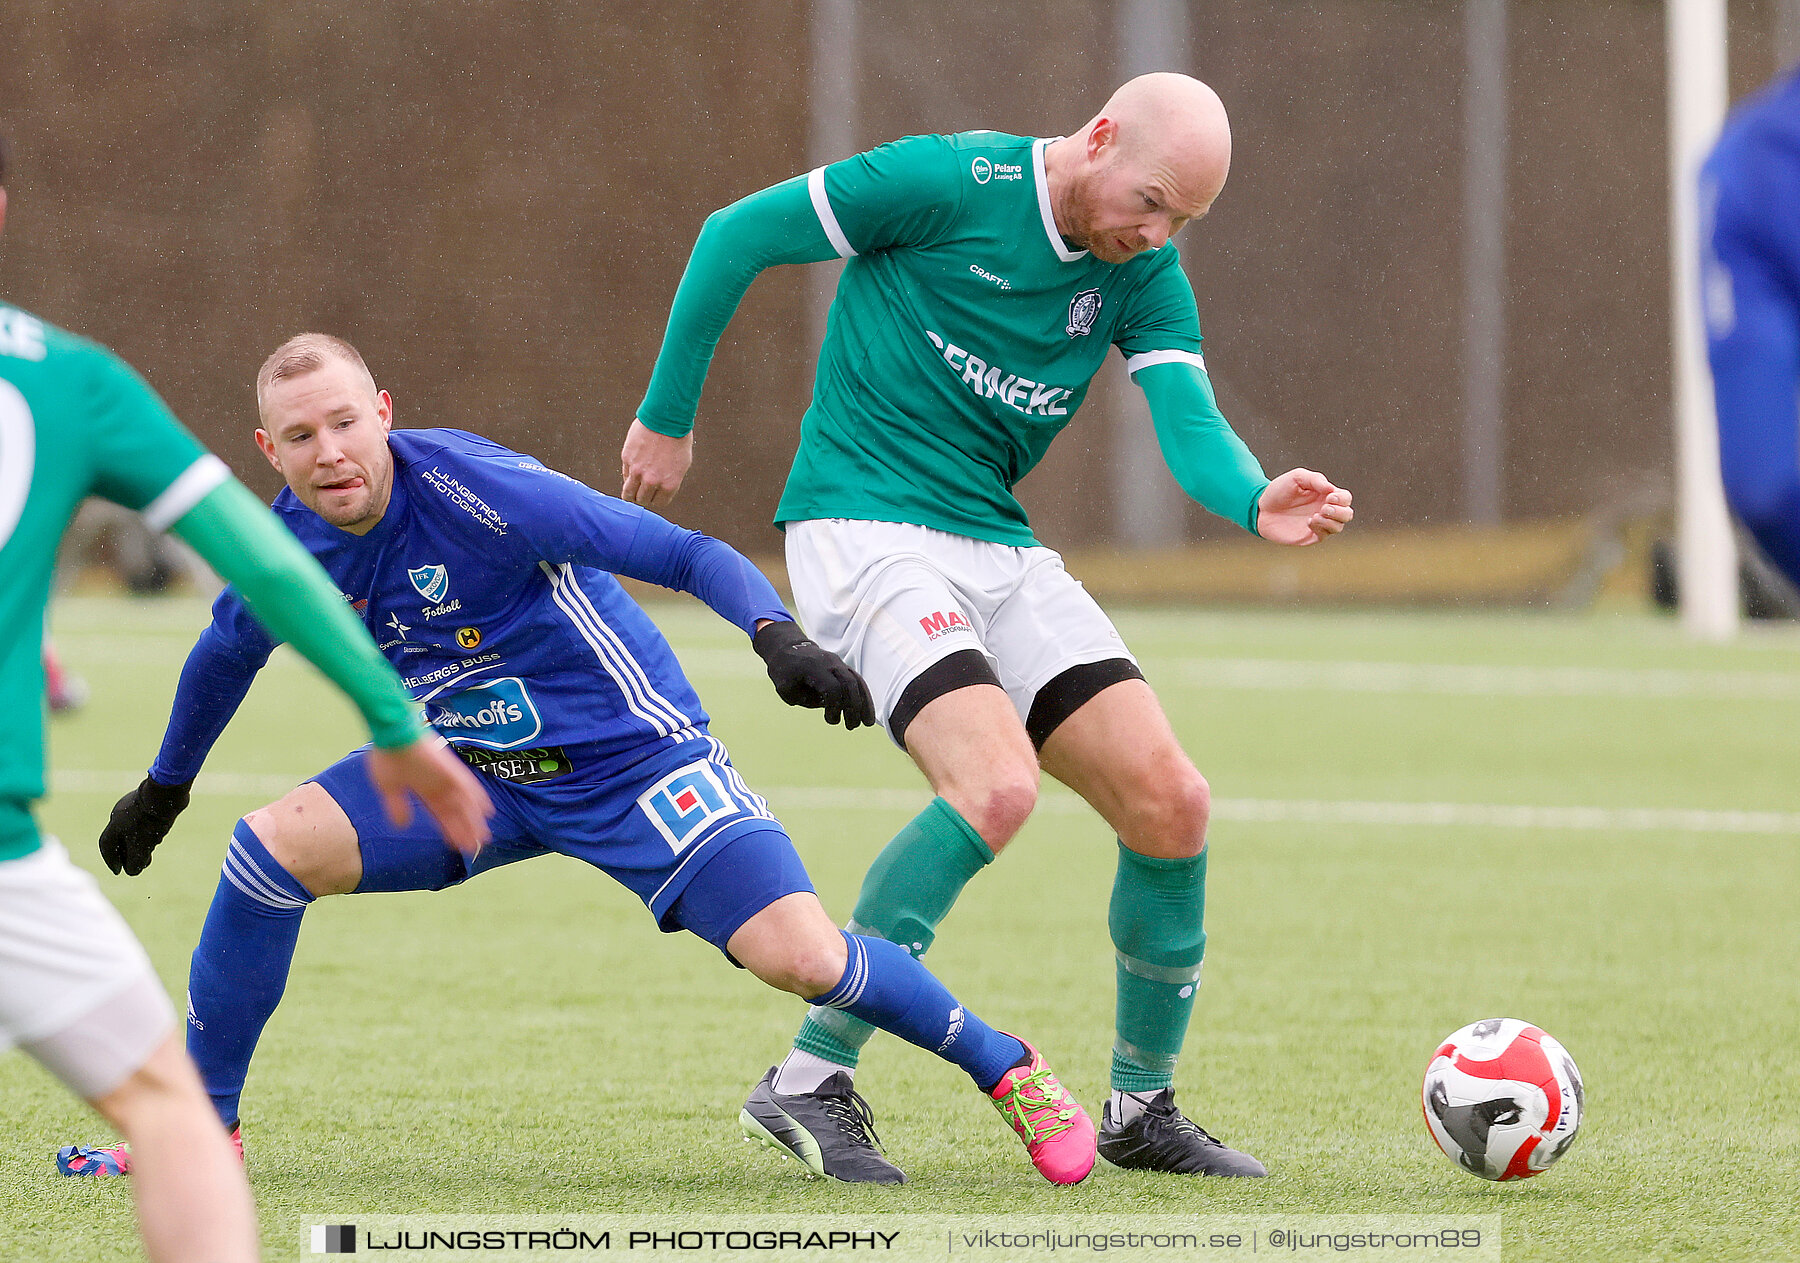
640	696
190	487
1145	359
828	220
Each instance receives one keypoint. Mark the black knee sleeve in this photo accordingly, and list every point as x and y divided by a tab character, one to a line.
946	675
1070	691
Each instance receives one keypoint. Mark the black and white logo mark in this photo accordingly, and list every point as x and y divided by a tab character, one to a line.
1084	308
334	1238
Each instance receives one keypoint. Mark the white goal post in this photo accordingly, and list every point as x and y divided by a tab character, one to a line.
1707	572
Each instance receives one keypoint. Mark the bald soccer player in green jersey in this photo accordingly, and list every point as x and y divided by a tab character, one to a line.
76	989
988	276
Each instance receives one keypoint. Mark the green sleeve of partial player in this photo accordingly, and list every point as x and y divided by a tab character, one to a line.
1201	449
136	447
296	601
775	226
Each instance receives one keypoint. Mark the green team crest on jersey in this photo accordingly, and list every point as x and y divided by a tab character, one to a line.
1084	308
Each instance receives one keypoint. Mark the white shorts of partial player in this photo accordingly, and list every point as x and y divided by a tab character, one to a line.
892	598
76	989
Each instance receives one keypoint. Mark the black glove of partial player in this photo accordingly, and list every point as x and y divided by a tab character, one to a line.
806	675
139	821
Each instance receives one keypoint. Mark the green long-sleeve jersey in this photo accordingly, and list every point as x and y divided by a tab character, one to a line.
75	420
962	339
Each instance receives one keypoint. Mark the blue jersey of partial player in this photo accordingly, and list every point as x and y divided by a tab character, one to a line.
488	583
1750	295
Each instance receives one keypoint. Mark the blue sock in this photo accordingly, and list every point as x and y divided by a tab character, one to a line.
890	990
240	968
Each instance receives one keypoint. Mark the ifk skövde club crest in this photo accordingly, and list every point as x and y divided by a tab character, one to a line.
432	582
1084	309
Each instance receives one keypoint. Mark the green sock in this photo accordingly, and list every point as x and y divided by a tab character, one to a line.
1157	920
910	888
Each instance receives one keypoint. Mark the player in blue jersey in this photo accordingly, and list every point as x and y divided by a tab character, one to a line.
1751	298
488	581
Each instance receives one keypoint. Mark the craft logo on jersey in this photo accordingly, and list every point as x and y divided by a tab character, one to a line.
940	623
495	714
982	170
1084	309
468	637
431	581
685	801
986	275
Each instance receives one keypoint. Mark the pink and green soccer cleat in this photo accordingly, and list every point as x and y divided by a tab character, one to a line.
1057	1132
115	1159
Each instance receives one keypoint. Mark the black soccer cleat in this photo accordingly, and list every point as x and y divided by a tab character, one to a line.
1162	1138
829	1132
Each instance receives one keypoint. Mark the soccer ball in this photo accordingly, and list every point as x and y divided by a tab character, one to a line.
1502	1099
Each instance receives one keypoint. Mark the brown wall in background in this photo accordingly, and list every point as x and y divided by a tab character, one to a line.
494	200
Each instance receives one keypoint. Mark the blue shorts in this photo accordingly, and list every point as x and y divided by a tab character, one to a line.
679	829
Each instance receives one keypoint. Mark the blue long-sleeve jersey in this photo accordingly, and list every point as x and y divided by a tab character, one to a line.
488	583
1750	291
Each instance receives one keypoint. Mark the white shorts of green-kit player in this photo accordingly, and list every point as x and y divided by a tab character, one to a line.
891	599
76	990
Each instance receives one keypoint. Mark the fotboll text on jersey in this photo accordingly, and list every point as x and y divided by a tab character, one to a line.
1020	393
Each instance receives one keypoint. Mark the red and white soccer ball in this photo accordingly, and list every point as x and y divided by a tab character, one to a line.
1502	1099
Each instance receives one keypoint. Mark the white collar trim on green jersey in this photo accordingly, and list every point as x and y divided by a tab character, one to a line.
1043	190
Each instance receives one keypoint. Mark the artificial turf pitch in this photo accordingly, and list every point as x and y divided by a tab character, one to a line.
530	1044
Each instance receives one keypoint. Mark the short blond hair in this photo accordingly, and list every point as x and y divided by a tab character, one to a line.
302	354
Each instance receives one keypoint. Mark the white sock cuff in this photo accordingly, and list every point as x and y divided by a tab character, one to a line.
802	1072
1126	1106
